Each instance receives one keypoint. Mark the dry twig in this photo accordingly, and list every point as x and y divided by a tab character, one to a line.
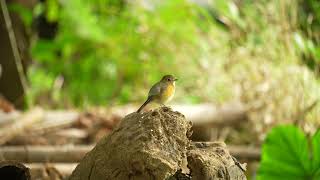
19	127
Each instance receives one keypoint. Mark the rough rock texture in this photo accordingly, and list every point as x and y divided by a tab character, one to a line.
213	161
144	146
153	145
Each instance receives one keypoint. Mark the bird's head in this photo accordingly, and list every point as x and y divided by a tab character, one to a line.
168	79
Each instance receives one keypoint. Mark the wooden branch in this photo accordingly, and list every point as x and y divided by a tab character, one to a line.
301	114
72	133
67	154
50	121
8	118
245	152
19	127
240	152
55	120
206	115
38	167
33	154
43	170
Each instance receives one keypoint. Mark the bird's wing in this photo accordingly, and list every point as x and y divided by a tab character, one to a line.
155	90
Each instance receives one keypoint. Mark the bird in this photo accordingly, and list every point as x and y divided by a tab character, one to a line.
161	92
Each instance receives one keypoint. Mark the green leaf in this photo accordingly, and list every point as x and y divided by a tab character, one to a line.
44	51
316	155
52	10
24	12
285	155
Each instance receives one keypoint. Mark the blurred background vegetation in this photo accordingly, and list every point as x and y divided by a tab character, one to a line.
264	53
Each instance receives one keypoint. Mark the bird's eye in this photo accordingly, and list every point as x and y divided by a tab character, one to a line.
168	79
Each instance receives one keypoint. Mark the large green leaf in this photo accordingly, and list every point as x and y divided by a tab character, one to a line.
316	155
285	155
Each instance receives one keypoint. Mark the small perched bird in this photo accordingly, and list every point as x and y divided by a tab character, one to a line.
161	92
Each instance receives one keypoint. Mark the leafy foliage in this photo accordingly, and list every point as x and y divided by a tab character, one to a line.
105	48
287	155
309	41
111	51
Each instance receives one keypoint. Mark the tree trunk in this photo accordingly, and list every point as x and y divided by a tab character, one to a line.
14	56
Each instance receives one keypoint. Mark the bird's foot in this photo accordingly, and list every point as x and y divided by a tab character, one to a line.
165	108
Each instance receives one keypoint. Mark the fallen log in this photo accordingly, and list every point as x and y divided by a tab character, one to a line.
203	117
206	115
209	115
208	119
50	121
70	154
37	154
36	123
230	114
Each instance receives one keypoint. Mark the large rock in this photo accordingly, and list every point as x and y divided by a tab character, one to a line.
151	145
208	161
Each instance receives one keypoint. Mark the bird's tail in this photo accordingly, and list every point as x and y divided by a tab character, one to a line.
145	103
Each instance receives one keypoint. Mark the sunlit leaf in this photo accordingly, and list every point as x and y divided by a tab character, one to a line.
316	155
52	10
286	155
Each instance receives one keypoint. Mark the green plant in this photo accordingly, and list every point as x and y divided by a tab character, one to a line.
308	38
288	154
110	52
106	47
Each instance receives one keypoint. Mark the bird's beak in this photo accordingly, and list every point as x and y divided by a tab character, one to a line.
175	79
